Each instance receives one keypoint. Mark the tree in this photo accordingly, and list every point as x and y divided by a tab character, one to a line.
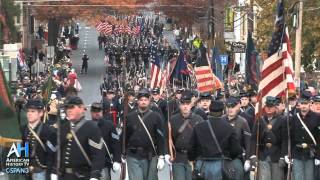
8	31
310	27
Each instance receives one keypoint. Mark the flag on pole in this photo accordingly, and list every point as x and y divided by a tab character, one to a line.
277	71
252	64
180	70
203	72
156	73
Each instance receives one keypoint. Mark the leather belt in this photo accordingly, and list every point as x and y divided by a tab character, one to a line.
268	145
68	170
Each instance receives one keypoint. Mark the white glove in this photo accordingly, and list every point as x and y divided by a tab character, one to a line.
53	177
316	162
160	164
286	159
167	159
94	179
247	166
116	166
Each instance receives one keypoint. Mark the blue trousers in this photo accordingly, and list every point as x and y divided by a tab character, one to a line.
211	169
143	169
303	169
181	171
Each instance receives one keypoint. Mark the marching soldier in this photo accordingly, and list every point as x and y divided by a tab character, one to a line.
42	141
316	109
247	110
111	141
158	102
204	148
242	129
244	101
305	134
82	153
205	101
111	107
174	102
182	125
144	140
273	143
84	67
195	109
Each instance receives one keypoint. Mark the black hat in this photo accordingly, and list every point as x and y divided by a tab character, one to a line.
96	107
72	101
244	94
34	104
316	98
143	93
195	93
279	100
292	97
131	93
186	96
110	91
205	95
305	96
252	93
156	90
232	101
271	101
216	106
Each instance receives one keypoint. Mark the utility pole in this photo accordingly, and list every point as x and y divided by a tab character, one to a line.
298	48
250	18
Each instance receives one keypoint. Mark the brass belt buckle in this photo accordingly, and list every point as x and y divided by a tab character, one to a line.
304	145
268	145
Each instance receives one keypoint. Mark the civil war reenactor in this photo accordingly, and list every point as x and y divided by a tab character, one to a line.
305	134
205	101
42	141
243	132
203	147
196	109
159	102
111	107
174	102
273	143
247	111
82	153
280	106
84	67
111	141
292	105
131	101
145	140
316	109
182	125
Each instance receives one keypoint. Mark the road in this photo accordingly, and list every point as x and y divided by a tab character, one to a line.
91	81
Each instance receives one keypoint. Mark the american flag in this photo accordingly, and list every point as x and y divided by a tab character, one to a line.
156	74
277	70
101	26
107	30
128	30
136	30
203	73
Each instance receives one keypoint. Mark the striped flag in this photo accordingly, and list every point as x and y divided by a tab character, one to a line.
107	30
277	70
101	26
156	73
203	72
128	30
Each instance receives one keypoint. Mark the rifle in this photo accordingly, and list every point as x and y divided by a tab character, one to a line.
124	124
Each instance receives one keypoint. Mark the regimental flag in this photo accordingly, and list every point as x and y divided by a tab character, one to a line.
252	64
136	30
5	99
121	28
277	71
180	71
156	73
203	72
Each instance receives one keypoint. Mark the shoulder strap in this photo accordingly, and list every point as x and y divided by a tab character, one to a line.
108	151
80	146
307	129
144	126
214	138
79	125
36	135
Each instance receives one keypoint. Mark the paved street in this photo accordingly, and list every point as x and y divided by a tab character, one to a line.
90	82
